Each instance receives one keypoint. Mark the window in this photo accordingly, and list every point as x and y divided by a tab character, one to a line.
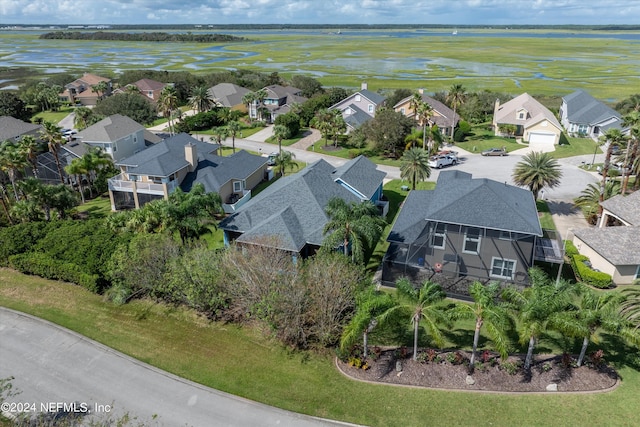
505	235
438	236
358	98
471	241
402	111
238	186
521	115
502	268
370	108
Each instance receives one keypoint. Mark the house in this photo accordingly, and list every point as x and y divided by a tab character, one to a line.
614	250
290	213
183	161
278	101
443	116
228	95
467	229
359	108
150	88
533	122
13	129
81	90
118	135
583	115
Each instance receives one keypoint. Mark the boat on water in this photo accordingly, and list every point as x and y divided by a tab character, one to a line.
455	32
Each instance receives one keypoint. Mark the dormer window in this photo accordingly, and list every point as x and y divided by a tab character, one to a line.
358	98
522	115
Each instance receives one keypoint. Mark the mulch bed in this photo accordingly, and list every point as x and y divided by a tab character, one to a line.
489	376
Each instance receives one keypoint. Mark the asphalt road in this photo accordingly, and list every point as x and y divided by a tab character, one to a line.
53	366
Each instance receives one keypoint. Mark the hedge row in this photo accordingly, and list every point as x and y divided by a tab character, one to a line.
585	274
42	265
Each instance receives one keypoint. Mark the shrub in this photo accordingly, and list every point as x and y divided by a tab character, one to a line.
587	275
511	368
291	121
570	248
42	265
21	238
597	357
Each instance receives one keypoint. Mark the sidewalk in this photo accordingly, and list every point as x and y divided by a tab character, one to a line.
566	216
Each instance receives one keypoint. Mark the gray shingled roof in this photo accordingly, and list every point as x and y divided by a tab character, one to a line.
582	108
358	118
292	208
618	245
110	129
228	94
372	96
460	199
625	207
445	114
11	128
165	157
361	174
215	171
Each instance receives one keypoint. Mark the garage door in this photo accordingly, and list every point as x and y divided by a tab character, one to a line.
539	141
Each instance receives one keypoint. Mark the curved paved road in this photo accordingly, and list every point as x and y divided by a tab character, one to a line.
53	365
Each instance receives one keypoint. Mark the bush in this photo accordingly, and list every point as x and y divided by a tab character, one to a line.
570	249
291	121
21	238
587	275
44	266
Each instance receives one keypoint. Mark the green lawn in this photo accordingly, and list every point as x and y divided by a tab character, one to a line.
53	116
244	362
577	147
546	220
481	138
100	207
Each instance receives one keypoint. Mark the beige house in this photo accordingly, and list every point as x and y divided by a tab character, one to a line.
81	90
614	250
533	122
443	116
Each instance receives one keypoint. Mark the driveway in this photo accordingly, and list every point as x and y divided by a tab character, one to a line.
53	366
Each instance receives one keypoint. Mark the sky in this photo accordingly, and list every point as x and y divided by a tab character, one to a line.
339	12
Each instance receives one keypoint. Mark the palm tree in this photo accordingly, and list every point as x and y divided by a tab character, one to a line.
248	99
12	160
51	134
456	97
233	128
77	168
30	146
536	171
423	113
189	214
419	305
100	88
81	117
168	102
199	99
280	132
612	137
595	311
369	304
486	312
535	306
260	96
414	166
322	121
337	125
632	120
94	161
286	160
355	226
589	198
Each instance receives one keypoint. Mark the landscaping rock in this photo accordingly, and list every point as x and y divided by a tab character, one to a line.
552	387
469	380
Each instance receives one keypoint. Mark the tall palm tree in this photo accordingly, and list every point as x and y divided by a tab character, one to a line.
81	117
248	99
536	171
423	113
369	305
12	160
280	132
613	137
77	168
595	311
286	160
199	99
100	88
31	148
535	307
456	97
487	312
355	226
260	96
168	102
233	128
51	134
419	305
632	120
220	134
414	166
322	121
589	198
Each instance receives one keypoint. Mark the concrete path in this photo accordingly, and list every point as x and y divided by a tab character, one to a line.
566	217
262	135
308	140
53	366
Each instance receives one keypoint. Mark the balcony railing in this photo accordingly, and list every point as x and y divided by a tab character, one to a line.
117	183
244	197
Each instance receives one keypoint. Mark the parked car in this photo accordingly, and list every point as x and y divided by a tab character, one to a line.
495	152
440	161
271	159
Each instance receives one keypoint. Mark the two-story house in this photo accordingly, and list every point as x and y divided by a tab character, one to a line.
151	89
119	136
278	101
183	161
533	122
290	214
13	129
82	90
614	250
359	108
583	115
228	95
467	229
442	116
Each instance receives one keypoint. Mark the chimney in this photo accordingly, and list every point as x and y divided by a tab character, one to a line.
191	156
364	86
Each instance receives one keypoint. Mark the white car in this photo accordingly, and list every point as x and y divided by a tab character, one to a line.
442	160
